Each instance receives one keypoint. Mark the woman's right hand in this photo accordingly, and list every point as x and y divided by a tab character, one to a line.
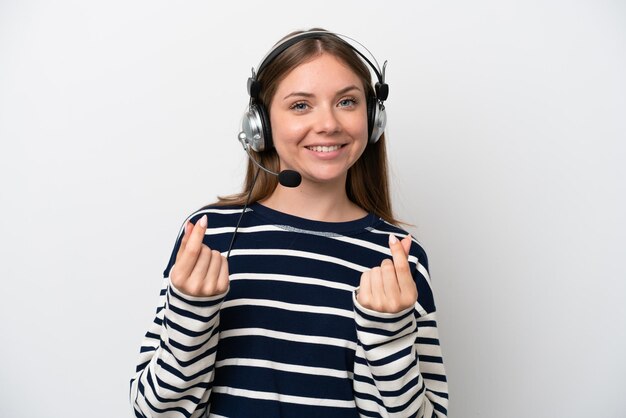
198	270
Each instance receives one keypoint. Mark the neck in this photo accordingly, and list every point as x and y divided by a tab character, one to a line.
320	202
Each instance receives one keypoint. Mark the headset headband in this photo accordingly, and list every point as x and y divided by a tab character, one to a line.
381	88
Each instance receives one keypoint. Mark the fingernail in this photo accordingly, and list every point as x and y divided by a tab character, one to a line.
203	221
392	239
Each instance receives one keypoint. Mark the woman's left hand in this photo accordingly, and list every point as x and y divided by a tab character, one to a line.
390	287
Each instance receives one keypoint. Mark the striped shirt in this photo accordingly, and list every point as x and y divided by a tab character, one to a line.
289	339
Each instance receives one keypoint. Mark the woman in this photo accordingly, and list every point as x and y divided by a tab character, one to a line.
304	301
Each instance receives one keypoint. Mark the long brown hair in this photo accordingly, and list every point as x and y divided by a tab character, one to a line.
367	182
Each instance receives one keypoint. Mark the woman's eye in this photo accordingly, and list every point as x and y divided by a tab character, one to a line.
347	102
300	106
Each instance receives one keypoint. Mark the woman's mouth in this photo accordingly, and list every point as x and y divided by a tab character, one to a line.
321	148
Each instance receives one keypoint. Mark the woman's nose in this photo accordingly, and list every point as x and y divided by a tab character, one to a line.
327	121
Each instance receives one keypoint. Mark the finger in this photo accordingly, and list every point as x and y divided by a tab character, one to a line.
364	295
212	273
223	280
378	289
392	288
183	243
194	283
192	250
401	264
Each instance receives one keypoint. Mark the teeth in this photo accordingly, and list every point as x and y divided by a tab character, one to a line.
324	149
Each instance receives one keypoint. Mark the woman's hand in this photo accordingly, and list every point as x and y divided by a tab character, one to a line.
198	270
390	287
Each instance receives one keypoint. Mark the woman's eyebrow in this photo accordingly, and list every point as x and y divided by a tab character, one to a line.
307	94
298	94
347	89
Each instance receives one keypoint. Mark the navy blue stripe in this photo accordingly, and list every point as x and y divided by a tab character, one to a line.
190	362
174	371
391	335
296	293
431	359
198	303
162	384
392	357
286	383
432	376
187	348
153	336
291	352
154	408
302	323
236	406
400	408
427	341
385	320
440	394
192	315
389	377
440	408
141	366
145	349
190	333
294	266
368	397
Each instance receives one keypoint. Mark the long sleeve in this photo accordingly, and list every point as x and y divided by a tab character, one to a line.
177	357
398	369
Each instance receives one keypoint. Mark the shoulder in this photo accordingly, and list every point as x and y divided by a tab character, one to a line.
418	261
417	252
214	212
219	218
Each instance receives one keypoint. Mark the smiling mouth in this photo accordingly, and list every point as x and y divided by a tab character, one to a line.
320	148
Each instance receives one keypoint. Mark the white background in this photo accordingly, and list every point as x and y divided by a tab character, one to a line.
507	140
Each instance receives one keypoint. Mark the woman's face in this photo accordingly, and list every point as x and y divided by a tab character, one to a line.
319	119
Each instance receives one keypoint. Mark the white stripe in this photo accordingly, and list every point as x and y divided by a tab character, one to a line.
372	246
272	396
302	254
378	231
219	210
287	336
364	244
294	307
210	210
273	228
250	229
420	309
285	367
292	279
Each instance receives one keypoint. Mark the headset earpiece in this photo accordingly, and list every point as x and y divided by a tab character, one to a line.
267	127
254	88
256	126
382	91
376	119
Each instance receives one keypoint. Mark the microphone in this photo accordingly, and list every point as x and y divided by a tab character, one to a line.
287	178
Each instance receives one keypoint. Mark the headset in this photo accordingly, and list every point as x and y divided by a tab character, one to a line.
256	131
